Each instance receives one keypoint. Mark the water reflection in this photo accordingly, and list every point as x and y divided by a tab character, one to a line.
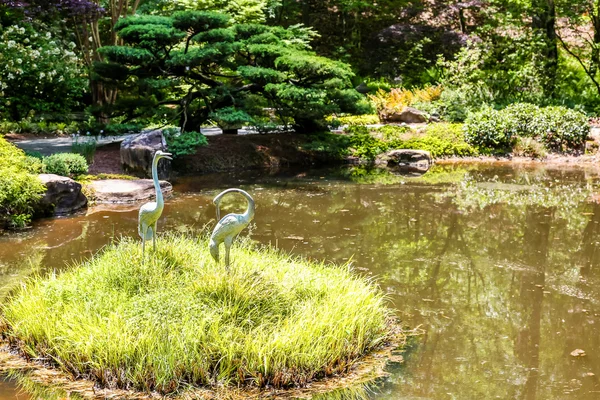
499	266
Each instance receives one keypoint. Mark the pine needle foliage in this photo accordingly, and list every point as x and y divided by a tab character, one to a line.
211	63
178	319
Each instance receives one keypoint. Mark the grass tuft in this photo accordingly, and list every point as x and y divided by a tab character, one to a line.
180	320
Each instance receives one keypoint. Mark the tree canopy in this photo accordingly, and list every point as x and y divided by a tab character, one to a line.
208	67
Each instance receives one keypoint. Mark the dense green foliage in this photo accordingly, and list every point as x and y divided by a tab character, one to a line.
557	128
65	164
231	73
178	319
36	66
182	144
19	188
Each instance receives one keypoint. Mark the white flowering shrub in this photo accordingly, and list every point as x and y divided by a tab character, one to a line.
39	73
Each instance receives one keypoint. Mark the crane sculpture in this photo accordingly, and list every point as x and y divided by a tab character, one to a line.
230	226
150	212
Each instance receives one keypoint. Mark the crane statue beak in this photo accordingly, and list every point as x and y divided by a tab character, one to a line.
167	156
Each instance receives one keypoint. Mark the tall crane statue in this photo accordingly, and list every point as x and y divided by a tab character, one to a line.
229	226
150	212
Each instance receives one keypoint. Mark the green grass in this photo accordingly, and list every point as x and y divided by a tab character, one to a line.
180	320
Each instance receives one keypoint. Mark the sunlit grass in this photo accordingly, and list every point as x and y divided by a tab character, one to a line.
180	320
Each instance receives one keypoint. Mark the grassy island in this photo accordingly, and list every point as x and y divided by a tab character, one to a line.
178	320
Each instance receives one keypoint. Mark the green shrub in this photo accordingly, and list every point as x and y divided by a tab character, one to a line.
19	189
521	116
560	128
34	165
489	129
182	144
557	128
66	164
178	319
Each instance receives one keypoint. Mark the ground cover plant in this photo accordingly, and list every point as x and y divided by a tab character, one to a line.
178	319
441	140
19	188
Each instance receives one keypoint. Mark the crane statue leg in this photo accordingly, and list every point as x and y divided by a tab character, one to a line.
144	231
154	236
228	242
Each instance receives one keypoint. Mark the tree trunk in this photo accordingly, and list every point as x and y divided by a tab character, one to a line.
543	21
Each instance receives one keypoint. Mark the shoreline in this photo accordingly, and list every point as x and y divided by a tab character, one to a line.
366	369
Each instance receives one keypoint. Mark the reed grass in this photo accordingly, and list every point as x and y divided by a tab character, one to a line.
179	320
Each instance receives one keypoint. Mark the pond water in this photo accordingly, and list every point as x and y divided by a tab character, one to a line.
497	267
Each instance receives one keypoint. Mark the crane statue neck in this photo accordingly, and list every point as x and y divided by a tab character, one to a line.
159	195
249	213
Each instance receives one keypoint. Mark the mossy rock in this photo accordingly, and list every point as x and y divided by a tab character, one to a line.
178	319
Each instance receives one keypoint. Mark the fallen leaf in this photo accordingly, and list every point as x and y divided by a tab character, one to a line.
578	353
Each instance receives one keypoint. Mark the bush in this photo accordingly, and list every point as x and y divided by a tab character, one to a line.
182	144
560	128
66	164
557	128
19	189
489	129
34	165
272	320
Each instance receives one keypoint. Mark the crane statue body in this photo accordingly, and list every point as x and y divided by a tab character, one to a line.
150	212
230	225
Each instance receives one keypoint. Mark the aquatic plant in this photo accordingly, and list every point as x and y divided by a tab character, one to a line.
179	320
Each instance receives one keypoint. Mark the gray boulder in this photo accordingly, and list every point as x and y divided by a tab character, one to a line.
63	196
413	160
137	153
126	191
408	115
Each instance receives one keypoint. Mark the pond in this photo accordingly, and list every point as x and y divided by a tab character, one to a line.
498	268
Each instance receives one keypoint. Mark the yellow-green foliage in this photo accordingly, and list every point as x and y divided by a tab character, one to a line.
19	189
179	319
353	120
397	99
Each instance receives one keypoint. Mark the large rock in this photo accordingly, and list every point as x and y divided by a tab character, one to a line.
137	153
408	115
126	191
406	159
63	196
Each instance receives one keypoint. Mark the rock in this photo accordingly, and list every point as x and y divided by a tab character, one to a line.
406	160
404	156
137	153
126	191
408	115
63	196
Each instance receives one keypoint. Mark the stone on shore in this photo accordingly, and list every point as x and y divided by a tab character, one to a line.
115	191
63	196
137	153
408	115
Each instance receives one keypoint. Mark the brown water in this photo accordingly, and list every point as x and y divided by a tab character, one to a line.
498	267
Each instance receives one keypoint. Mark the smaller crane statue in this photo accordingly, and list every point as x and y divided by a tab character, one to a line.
229	226
150	212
